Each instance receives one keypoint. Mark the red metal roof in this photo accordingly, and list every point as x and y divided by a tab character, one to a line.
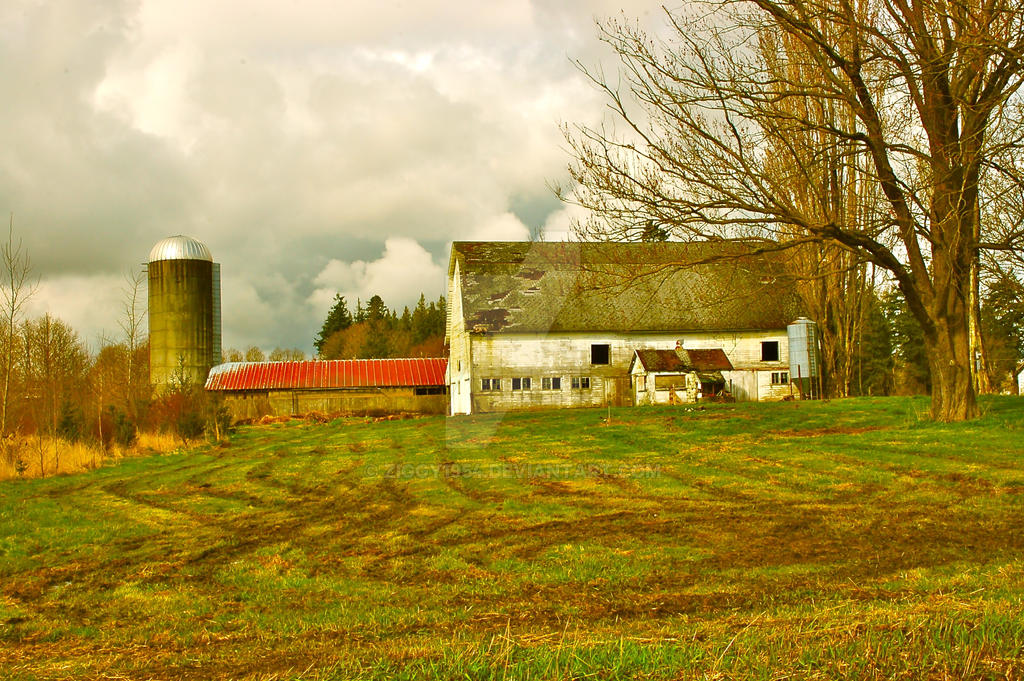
710	359
328	374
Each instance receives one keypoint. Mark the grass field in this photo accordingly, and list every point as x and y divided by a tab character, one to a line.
852	539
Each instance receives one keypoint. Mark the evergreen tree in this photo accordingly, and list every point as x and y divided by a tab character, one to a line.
376	310
912	371
337	319
874	366
1002	323
420	321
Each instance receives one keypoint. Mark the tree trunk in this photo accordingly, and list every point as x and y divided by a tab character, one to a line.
953	395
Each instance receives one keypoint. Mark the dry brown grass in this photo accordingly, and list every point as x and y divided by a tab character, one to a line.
34	456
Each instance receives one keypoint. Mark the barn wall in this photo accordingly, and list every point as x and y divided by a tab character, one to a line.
255	404
565	355
460	359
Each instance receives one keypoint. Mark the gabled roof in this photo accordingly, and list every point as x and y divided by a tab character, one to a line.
521	287
328	374
668	361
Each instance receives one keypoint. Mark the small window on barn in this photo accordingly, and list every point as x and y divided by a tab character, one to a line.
600	353
581	382
527	383
551	383
780	377
490	384
430	390
521	383
670	382
770	351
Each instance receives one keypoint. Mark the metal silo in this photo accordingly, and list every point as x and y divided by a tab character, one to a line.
184	314
804	360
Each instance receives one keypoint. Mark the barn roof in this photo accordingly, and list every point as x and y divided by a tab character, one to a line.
328	374
710	359
661	360
522	287
703	360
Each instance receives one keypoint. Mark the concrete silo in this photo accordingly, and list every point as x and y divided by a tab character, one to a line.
184	311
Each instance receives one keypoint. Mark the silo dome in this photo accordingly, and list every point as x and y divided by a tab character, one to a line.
180	247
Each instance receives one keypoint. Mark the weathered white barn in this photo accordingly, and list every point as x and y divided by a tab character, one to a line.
535	325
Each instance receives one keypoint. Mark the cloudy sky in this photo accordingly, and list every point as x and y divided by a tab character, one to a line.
316	146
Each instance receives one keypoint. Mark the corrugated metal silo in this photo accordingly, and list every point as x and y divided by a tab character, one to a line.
184	315
804	360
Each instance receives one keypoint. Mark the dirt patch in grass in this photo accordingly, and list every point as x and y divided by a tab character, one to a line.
831	430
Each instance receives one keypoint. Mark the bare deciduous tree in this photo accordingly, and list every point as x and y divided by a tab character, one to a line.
132	320
55	367
15	291
721	142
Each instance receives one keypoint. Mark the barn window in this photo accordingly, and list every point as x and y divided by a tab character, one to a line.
521	383
430	390
670	382
600	353
581	382
780	377
490	384
551	383
770	351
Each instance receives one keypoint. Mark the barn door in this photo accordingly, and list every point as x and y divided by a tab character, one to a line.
620	391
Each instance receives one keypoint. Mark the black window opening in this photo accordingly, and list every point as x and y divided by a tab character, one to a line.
780	377
600	353
522	383
490	384
432	390
551	383
770	351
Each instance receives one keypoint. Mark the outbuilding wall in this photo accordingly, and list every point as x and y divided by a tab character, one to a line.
258	403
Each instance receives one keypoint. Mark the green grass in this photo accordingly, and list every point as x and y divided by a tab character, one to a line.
852	539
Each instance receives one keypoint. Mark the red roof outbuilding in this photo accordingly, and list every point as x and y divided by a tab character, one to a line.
328	374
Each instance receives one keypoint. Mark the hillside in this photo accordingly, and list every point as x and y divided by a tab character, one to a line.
853	539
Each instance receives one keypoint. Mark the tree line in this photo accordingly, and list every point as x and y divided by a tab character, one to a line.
375	331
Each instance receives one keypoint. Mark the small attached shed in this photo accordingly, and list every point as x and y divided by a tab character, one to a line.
349	387
677	376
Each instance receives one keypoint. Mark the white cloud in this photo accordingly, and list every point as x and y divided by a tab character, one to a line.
399	276
503	227
92	305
